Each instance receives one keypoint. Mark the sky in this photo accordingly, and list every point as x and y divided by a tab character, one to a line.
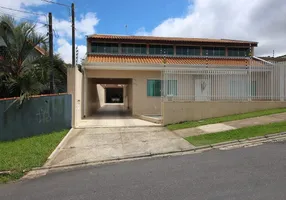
263	21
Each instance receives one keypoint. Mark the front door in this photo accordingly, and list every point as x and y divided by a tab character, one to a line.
202	89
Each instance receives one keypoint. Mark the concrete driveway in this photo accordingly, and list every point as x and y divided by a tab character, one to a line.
99	144
113	115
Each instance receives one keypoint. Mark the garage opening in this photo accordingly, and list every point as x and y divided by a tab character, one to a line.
113	95
108	97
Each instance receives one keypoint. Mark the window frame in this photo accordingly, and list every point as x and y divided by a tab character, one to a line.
196	50
147	85
231	50
213	49
132	46
162	86
161	49
104	48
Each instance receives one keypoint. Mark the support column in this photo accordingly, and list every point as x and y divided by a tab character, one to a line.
78	96
85	95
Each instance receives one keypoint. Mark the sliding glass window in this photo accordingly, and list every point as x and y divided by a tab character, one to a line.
188	51
153	88
238	52
161	50
134	49
213	51
104	48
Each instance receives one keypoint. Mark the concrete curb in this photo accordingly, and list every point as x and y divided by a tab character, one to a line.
54	153
245	142
133	126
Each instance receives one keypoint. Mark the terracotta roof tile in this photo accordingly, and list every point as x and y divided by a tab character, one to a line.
170	39
168	60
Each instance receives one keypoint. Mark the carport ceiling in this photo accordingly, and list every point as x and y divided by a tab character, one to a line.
121	81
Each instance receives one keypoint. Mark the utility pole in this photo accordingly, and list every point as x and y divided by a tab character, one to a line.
73	35
51	52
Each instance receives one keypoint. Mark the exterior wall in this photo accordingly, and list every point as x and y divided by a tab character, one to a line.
92	101
78	114
130	95
39	115
101	95
175	112
125	97
95	97
71	90
137	89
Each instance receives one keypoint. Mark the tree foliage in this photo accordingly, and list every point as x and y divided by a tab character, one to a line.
23	70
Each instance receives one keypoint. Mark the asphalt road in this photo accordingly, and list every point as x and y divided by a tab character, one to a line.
246	173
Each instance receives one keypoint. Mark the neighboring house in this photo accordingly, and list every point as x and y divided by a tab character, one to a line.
274	59
38	51
138	65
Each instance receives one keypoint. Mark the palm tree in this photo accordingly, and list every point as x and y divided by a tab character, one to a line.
43	70
23	72
16	68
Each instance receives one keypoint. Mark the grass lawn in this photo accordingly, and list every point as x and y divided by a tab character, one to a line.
241	133
24	154
191	124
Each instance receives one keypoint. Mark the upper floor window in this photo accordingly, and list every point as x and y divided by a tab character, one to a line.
161	49
134	48
188	51
213	51
238	52
104	48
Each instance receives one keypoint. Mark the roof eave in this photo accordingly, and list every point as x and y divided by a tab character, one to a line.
166	39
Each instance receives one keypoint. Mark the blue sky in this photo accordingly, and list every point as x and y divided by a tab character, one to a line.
257	20
115	14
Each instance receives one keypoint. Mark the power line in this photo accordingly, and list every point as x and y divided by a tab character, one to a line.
24	18
53	2
22	11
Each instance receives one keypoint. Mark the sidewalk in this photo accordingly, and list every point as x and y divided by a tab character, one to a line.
219	127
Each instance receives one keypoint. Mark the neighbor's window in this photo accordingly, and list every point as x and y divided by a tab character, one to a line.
161	49
188	51
104	48
153	88
238	52
213	51
134	48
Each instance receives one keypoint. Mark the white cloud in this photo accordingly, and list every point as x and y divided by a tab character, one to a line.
84	26
19	5
65	50
257	20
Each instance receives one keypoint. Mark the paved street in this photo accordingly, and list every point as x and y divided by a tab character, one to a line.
245	173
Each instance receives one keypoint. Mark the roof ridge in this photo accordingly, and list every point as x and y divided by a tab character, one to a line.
175	38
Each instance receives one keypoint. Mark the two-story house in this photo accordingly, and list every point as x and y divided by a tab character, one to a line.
128	69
